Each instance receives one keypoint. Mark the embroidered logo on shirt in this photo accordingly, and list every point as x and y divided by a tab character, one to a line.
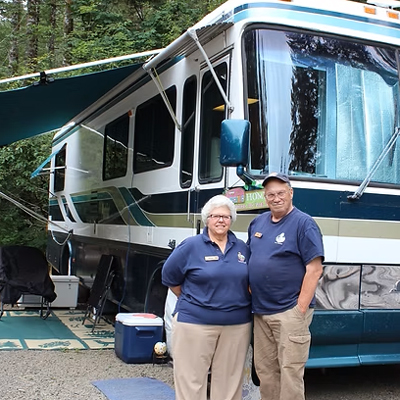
241	257
211	258
258	234
280	239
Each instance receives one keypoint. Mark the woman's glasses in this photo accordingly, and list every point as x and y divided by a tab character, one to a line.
217	217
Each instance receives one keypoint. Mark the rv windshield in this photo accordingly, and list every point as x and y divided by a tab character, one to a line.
321	106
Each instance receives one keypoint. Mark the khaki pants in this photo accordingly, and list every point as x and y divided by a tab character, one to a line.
196	348
281	347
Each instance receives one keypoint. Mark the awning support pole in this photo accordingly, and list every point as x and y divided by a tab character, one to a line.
164	96
193	34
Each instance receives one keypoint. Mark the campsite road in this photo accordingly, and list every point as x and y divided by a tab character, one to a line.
366	383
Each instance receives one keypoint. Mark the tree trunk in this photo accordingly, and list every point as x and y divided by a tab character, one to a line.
32	24
53	24
138	7
68	28
15	20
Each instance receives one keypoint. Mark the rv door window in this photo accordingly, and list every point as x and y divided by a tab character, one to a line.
187	134
154	133
55	213
326	106
59	170
212	114
115	156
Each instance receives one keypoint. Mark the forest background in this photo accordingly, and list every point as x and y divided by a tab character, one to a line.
38	35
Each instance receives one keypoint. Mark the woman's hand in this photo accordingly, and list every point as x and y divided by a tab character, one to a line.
176	290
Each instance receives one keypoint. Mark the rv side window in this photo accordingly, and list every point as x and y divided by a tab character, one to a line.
212	114
115	156
59	170
154	134
188	125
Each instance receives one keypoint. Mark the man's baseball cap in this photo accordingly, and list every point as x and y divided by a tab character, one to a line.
276	175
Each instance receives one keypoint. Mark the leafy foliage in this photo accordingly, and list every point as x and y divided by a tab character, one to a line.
17	162
96	29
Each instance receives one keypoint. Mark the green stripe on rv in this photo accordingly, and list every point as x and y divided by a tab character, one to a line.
340	227
133	215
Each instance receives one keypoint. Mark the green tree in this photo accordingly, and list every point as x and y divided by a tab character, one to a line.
38	35
17	162
167	20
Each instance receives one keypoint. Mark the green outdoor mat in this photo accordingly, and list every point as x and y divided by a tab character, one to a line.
62	329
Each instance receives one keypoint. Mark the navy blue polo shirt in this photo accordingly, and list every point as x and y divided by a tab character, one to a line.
214	285
279	253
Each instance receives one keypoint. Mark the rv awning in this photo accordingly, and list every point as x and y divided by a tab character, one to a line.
185	45
46	106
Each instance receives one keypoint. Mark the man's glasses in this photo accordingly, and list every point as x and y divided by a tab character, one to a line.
217	217
271	196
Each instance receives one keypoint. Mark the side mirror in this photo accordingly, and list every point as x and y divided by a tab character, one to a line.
235	135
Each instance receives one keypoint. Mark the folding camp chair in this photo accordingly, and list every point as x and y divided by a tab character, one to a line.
100	288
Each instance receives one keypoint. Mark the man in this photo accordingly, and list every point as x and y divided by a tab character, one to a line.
285	265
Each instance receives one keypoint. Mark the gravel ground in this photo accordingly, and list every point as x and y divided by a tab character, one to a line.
67	375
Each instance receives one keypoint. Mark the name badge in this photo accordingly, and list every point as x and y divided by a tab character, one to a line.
258	234
211	258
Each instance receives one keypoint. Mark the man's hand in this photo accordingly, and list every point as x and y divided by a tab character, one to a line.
310	282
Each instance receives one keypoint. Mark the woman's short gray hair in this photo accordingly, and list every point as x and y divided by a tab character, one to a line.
216	202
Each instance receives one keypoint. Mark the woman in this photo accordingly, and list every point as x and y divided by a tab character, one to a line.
211	327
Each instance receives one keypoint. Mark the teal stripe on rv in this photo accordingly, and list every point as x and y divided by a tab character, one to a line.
134	209
81	198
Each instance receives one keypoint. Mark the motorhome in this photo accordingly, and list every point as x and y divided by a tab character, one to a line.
306	87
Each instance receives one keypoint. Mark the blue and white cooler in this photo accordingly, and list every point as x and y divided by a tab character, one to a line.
135	336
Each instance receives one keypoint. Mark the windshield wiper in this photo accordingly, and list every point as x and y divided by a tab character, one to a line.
361	189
